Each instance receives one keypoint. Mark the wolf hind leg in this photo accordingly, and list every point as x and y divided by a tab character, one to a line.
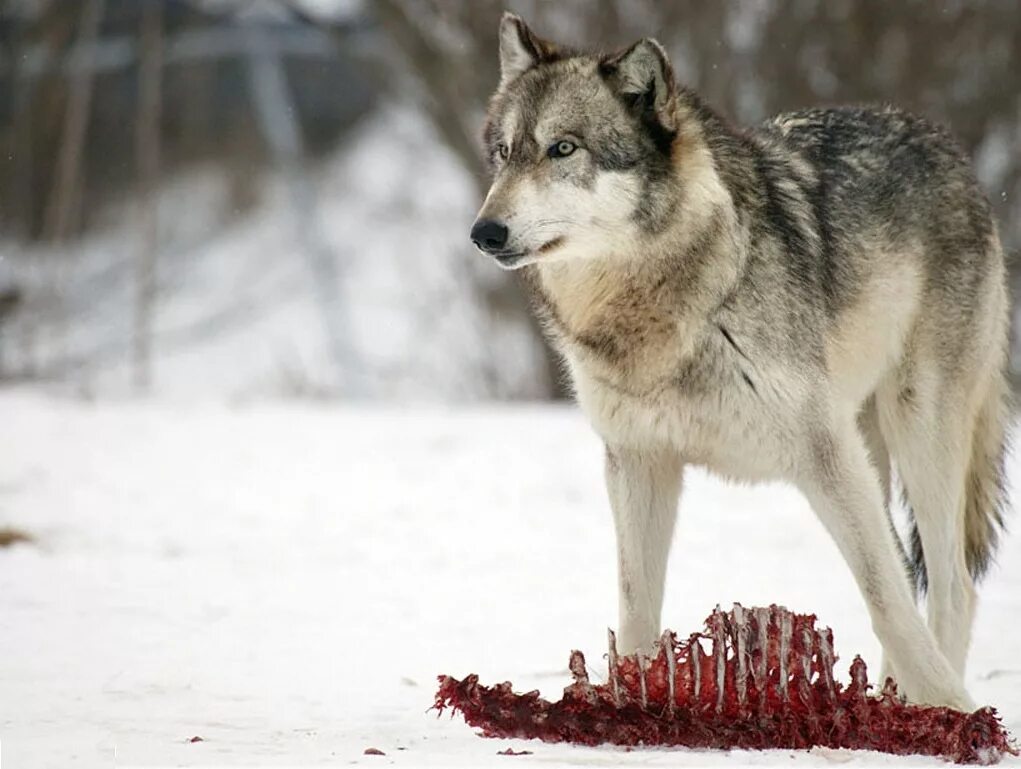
643	487
938	439
879	455
843	489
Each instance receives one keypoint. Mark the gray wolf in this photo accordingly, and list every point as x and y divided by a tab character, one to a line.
813	299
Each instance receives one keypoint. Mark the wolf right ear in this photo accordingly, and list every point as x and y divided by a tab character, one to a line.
643	74
520	48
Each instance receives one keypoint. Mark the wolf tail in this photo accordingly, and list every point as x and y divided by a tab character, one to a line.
985	488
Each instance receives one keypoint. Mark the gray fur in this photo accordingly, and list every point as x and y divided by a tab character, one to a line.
805	300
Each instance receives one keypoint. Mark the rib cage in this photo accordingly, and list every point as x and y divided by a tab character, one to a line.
754	678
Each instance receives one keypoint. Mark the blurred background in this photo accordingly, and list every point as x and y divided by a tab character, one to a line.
271	198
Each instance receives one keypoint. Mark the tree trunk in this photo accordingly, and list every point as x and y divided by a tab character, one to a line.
62	204
147	159
276	115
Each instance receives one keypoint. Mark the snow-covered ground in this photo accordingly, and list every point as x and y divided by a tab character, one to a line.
286	581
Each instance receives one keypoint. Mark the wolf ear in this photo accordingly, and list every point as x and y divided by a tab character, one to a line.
520	49
643	75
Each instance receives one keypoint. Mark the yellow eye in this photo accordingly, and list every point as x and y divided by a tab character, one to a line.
561	149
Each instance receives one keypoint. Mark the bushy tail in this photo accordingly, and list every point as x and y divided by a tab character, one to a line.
985	488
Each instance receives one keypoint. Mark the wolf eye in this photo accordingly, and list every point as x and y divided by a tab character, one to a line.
502	151
561	149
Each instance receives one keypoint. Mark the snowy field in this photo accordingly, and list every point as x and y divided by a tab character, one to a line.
286	581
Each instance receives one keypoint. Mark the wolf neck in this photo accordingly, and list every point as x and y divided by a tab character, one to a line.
625	311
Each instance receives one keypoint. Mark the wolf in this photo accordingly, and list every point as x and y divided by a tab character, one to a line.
815	300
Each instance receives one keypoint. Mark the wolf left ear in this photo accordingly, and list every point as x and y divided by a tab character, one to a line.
520	48
643	74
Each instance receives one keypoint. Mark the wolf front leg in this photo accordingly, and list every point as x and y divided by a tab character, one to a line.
843	489
644	487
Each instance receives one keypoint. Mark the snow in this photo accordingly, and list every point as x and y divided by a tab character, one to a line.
285	581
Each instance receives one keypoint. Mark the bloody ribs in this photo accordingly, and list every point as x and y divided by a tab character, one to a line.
754	678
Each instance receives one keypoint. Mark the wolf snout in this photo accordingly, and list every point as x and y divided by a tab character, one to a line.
489	235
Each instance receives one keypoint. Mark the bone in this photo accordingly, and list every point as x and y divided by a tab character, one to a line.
785	645
859	676
695	659
577	668
611	642
666	642
760	669
740	634
826	662
804	681
642	663
719	657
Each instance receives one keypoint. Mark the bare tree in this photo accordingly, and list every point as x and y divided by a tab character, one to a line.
66	191
20	191
276	115
452	98
147	158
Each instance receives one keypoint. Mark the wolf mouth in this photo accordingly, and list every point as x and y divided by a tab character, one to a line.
509	260
550	245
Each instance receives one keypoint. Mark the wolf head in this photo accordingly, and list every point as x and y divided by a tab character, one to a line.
581	149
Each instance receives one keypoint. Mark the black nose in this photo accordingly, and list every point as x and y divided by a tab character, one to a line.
489	235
